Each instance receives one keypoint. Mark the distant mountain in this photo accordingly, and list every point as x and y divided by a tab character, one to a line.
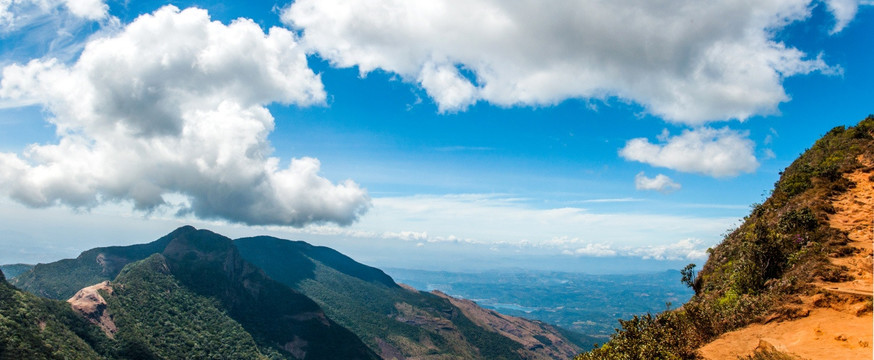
13	270
399	322
799	269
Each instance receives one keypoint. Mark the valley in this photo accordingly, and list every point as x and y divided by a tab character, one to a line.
585	304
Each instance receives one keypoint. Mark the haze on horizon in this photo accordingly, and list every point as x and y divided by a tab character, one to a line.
443	135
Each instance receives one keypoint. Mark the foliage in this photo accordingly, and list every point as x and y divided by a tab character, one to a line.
37	328
776	253
157	317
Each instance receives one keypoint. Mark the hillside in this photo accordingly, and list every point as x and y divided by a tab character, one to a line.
39	328
793	281
395	321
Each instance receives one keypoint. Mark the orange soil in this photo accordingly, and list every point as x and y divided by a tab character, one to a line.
835	328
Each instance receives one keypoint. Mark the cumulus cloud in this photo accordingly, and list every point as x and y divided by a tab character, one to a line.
174	104
687	61
660	183
713	152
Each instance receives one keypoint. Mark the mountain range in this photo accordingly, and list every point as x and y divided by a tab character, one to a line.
197	294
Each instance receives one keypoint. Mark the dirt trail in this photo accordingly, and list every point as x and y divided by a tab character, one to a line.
834	329
854	213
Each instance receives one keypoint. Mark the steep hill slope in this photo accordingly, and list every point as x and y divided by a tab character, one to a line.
37	328
399	322
793	281
838	321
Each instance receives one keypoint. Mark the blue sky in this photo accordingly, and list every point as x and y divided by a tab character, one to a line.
451	135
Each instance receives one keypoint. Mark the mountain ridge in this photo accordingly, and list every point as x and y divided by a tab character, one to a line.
218	275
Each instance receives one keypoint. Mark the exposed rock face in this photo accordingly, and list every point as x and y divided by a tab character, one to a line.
539	340
92	306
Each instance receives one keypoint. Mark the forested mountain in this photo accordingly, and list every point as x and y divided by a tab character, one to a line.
197	294
793	281
193	297
400	322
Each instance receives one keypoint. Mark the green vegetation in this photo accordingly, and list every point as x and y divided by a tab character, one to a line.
38	328
195	297
760	268
191	294
157	317
369	303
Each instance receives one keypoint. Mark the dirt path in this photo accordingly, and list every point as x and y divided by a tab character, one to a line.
842	329
854	213
825	334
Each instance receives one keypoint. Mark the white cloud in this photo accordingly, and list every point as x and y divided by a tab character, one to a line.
88	9
844	11
18	13
660	183
598	250
406	235
175	104
690	248
687	61
685	249
714	152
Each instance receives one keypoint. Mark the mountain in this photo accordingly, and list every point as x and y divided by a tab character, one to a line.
194	293
793	281
400	322
62	279
13	270
191	294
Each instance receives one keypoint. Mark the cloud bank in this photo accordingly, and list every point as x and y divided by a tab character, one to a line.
174	104
686	61
713	152
510	226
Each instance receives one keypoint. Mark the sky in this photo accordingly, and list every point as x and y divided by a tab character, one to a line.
458	135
